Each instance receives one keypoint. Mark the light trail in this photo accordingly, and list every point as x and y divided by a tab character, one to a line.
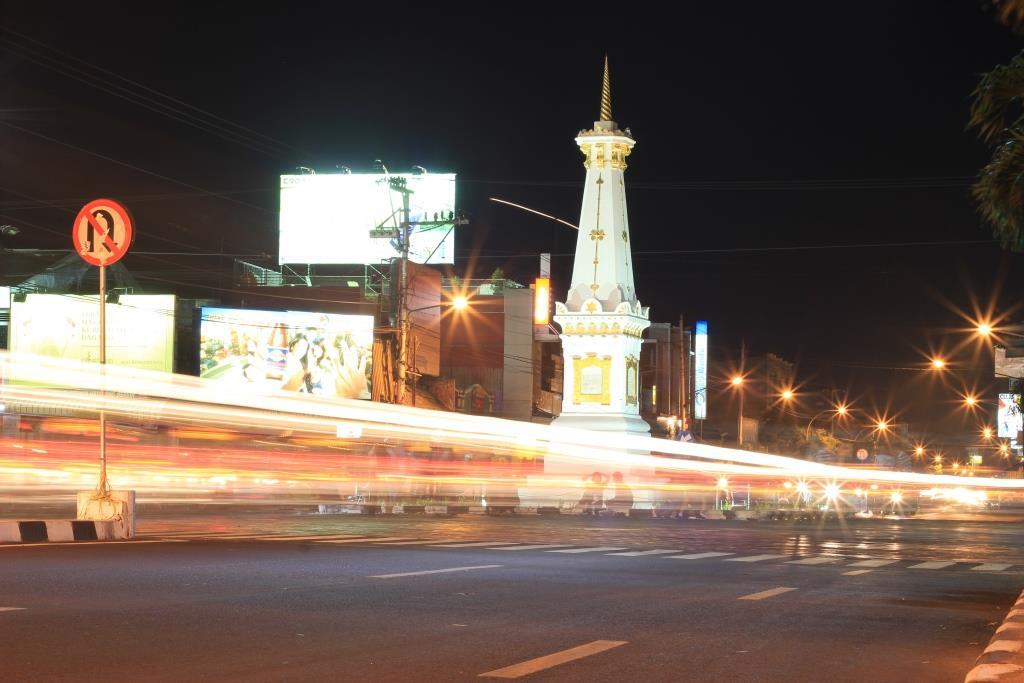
272	442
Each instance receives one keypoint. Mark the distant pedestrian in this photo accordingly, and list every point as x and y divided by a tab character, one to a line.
621	501
593	493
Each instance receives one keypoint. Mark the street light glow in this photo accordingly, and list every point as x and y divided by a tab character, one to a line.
460	302
787	395
723	483
986	433
970	400
841	409
832	491
919	451
984	329
896	497
736	380
882	425
938	363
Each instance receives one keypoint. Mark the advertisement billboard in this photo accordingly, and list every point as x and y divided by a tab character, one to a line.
1010	420
328	218
140	329
700	370
324	354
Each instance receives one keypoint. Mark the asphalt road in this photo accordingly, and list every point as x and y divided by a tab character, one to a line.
878	601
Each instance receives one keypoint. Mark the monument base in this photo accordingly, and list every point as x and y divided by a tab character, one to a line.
633	425
563	482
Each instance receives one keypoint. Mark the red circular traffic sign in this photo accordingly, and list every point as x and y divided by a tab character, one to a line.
103	232
862	454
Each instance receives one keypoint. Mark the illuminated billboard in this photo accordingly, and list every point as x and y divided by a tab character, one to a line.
140	329
324	354
700	370
329	218
1009	416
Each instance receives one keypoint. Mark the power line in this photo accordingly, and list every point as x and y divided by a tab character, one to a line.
112	83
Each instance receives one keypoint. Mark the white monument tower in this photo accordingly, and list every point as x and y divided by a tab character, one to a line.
602	322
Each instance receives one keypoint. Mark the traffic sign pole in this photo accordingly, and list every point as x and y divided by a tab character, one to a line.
103	488
102	234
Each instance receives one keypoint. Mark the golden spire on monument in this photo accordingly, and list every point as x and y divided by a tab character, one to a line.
606	94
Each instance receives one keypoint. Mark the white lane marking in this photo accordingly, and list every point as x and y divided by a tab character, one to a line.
641	553
67	543
873	563
821	559
368	540
754	558
991	567
420	542
936	564
434	571
227	537
858	572
771	593
321	537
698	556
548	661
11	609
532	547
474	544
586	550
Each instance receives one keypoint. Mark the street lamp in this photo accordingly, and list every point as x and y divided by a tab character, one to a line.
839	410
986	433
787	395
938	363
970	400
737	383
457	303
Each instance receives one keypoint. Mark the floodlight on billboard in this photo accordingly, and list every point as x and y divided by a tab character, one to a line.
324	354
140	329
700	370
1009	417
342	218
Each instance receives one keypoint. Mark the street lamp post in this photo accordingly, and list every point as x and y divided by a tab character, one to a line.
458	303
737	382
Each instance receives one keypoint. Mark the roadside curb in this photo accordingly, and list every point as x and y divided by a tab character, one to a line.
1003	659
43	531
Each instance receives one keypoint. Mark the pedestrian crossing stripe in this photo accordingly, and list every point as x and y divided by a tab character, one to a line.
852	563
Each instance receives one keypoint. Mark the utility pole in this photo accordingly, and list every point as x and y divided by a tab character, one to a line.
398	184
402	320
684	390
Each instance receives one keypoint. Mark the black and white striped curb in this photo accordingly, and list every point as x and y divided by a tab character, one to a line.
41	531
1003	659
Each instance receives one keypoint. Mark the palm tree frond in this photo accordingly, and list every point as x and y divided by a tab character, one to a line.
1000	193
997	98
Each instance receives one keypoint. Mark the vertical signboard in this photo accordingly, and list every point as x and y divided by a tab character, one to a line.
700	370
1009	418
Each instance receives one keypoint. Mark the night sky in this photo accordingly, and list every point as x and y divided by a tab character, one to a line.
762	130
